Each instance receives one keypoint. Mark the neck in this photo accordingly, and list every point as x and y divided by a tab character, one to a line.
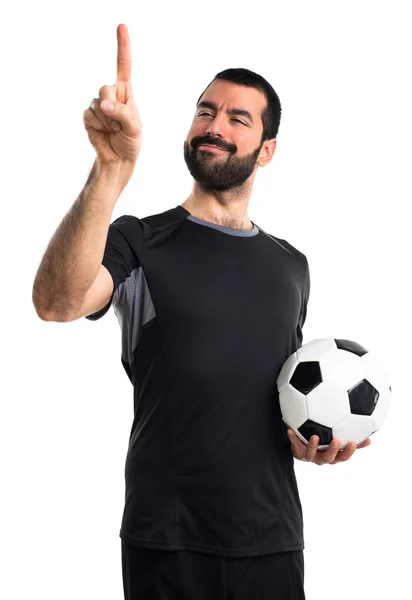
227	208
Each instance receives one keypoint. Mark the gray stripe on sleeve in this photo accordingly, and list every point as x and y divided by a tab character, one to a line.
133	305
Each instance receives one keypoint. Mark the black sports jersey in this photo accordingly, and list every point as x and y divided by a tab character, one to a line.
208	315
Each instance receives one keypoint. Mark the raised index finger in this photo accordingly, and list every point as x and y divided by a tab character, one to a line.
124	57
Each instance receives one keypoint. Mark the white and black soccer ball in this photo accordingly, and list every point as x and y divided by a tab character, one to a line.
334	389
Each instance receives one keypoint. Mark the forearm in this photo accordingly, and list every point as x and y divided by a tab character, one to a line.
73	257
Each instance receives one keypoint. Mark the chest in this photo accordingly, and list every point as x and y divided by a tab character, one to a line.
209	287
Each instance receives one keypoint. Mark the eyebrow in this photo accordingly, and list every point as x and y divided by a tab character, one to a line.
232	111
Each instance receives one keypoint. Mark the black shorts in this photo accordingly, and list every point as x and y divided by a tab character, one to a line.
187	575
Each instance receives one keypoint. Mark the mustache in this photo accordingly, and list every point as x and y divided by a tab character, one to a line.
198	141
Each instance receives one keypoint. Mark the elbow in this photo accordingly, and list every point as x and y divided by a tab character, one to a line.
48	315
44	315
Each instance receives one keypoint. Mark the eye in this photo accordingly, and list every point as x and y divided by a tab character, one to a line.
206	113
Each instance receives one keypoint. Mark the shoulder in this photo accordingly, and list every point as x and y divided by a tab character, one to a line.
288	247
159	220
150	230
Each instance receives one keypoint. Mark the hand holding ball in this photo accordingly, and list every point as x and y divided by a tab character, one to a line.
334	389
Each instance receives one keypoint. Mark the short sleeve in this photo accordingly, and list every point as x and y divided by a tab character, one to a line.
119	258
304	304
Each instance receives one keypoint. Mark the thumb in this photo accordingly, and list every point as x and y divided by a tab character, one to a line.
107	106
121	113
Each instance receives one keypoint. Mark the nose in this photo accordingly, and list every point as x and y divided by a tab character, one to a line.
215	128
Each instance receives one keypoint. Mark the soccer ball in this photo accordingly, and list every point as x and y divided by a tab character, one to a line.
334	389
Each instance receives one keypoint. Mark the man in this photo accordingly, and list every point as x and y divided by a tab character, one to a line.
210	306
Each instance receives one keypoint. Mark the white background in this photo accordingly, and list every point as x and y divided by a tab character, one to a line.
338	189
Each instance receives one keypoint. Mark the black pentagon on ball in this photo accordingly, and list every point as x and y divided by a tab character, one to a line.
350	346
307	376
363	398
310	428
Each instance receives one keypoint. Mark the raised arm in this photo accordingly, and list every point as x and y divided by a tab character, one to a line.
70	277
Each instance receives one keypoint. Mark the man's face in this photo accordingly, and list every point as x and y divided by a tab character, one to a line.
236	136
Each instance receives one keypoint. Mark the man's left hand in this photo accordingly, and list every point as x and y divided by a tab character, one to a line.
329	456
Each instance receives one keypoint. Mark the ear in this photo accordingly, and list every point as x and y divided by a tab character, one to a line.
266	153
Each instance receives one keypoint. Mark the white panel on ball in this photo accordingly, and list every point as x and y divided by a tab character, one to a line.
314	349
379	378
341	366
354	427
293	407
328	413
286	371
381	411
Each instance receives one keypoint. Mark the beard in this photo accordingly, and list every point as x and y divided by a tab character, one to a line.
215	170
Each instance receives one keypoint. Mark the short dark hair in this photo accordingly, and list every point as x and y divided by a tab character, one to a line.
271	113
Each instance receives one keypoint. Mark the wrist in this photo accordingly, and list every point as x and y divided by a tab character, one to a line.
113	168
114	174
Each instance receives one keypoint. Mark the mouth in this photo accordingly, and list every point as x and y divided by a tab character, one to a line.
210	148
